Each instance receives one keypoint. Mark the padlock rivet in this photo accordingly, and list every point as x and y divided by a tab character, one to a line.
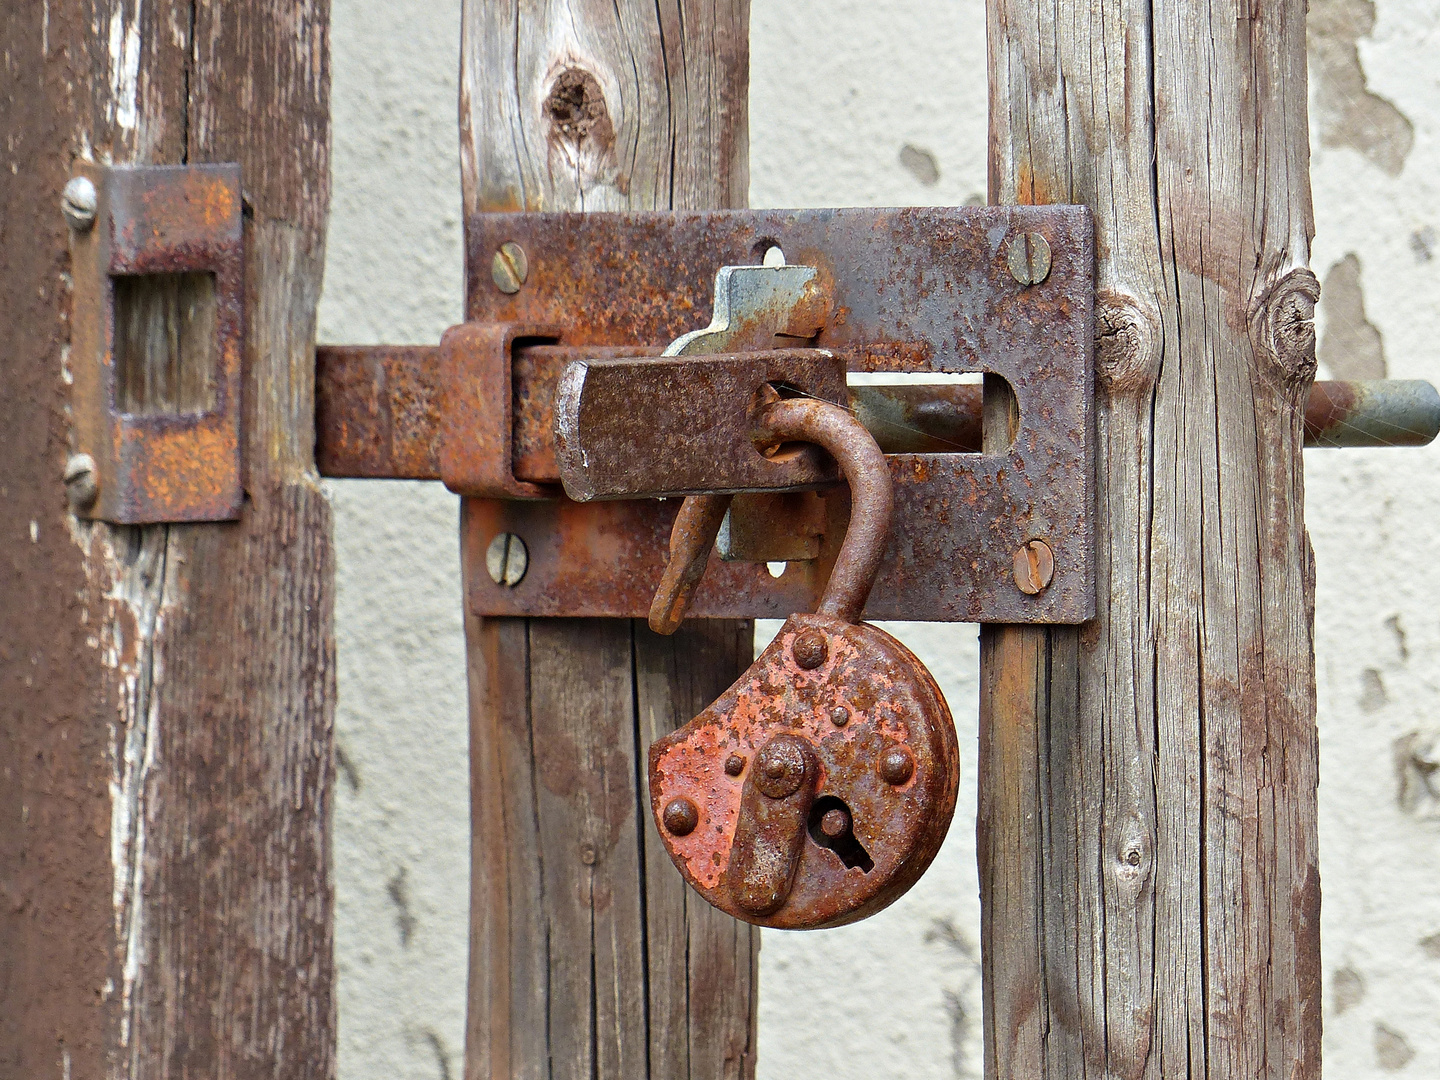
734	765
897	765
839	716
680	817
810	649
835	823
781	768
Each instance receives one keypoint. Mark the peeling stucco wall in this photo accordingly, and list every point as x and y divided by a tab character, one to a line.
858	103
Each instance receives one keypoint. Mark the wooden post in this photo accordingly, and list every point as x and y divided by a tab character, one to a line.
1147	824
588	955
166	692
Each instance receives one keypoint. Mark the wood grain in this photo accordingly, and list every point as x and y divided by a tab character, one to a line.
164	844
588	957
1147	827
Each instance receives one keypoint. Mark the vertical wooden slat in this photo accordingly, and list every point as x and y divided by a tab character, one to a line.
587	956
168	690
1147	834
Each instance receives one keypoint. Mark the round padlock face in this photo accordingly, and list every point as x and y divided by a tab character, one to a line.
819	787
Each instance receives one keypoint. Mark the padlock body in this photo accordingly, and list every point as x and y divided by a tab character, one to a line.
882	756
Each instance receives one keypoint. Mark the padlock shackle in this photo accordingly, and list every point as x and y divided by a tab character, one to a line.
872	494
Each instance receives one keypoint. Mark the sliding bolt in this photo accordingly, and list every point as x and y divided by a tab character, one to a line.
78	202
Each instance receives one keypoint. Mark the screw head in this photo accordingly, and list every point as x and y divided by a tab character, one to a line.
810	648
835	823
79	202
839	716
897	765
781	768
734	765
507	559
680	817
1034	567
588	854
1028	257
81	486
509	267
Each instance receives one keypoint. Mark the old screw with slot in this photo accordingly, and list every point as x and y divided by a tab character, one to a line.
820	786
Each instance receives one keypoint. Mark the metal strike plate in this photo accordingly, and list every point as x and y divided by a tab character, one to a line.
909	290
157	342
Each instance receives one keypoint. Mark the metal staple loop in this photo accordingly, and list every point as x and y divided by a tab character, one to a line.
872	496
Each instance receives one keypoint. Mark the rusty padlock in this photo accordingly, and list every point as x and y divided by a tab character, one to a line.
820	786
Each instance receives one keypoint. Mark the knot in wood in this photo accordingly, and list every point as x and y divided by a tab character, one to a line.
575	109
1127	343
1282	327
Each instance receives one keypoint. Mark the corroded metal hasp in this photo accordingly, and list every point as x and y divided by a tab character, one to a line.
913	290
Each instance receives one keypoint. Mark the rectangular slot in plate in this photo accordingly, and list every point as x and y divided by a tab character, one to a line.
158	343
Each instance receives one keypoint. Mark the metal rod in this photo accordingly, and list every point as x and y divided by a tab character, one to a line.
1380	412
921	419
378	412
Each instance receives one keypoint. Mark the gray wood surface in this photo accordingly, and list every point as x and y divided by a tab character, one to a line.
1147	821
588	956
166	692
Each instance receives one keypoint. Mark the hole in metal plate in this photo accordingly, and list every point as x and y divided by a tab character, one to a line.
165	347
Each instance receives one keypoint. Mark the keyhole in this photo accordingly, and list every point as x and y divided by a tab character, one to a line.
831	826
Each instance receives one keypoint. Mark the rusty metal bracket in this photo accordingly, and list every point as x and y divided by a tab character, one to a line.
157	343
913	290
477	410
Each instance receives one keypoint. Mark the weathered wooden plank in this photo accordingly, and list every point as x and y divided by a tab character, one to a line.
1161	761
591	106
697	955
173	764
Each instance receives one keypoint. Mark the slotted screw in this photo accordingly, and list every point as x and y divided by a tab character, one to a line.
509	267
1034	567
81	486
507	559
78	202
1028	258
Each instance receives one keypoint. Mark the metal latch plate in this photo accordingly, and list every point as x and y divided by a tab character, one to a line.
157	341
914	290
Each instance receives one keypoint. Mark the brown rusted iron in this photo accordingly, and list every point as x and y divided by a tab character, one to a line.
477	429
694	426
377	416
915	289
691	539
377	412
819	787
157	344
872	496
782	527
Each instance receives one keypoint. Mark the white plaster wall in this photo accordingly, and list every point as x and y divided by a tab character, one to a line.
869	104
